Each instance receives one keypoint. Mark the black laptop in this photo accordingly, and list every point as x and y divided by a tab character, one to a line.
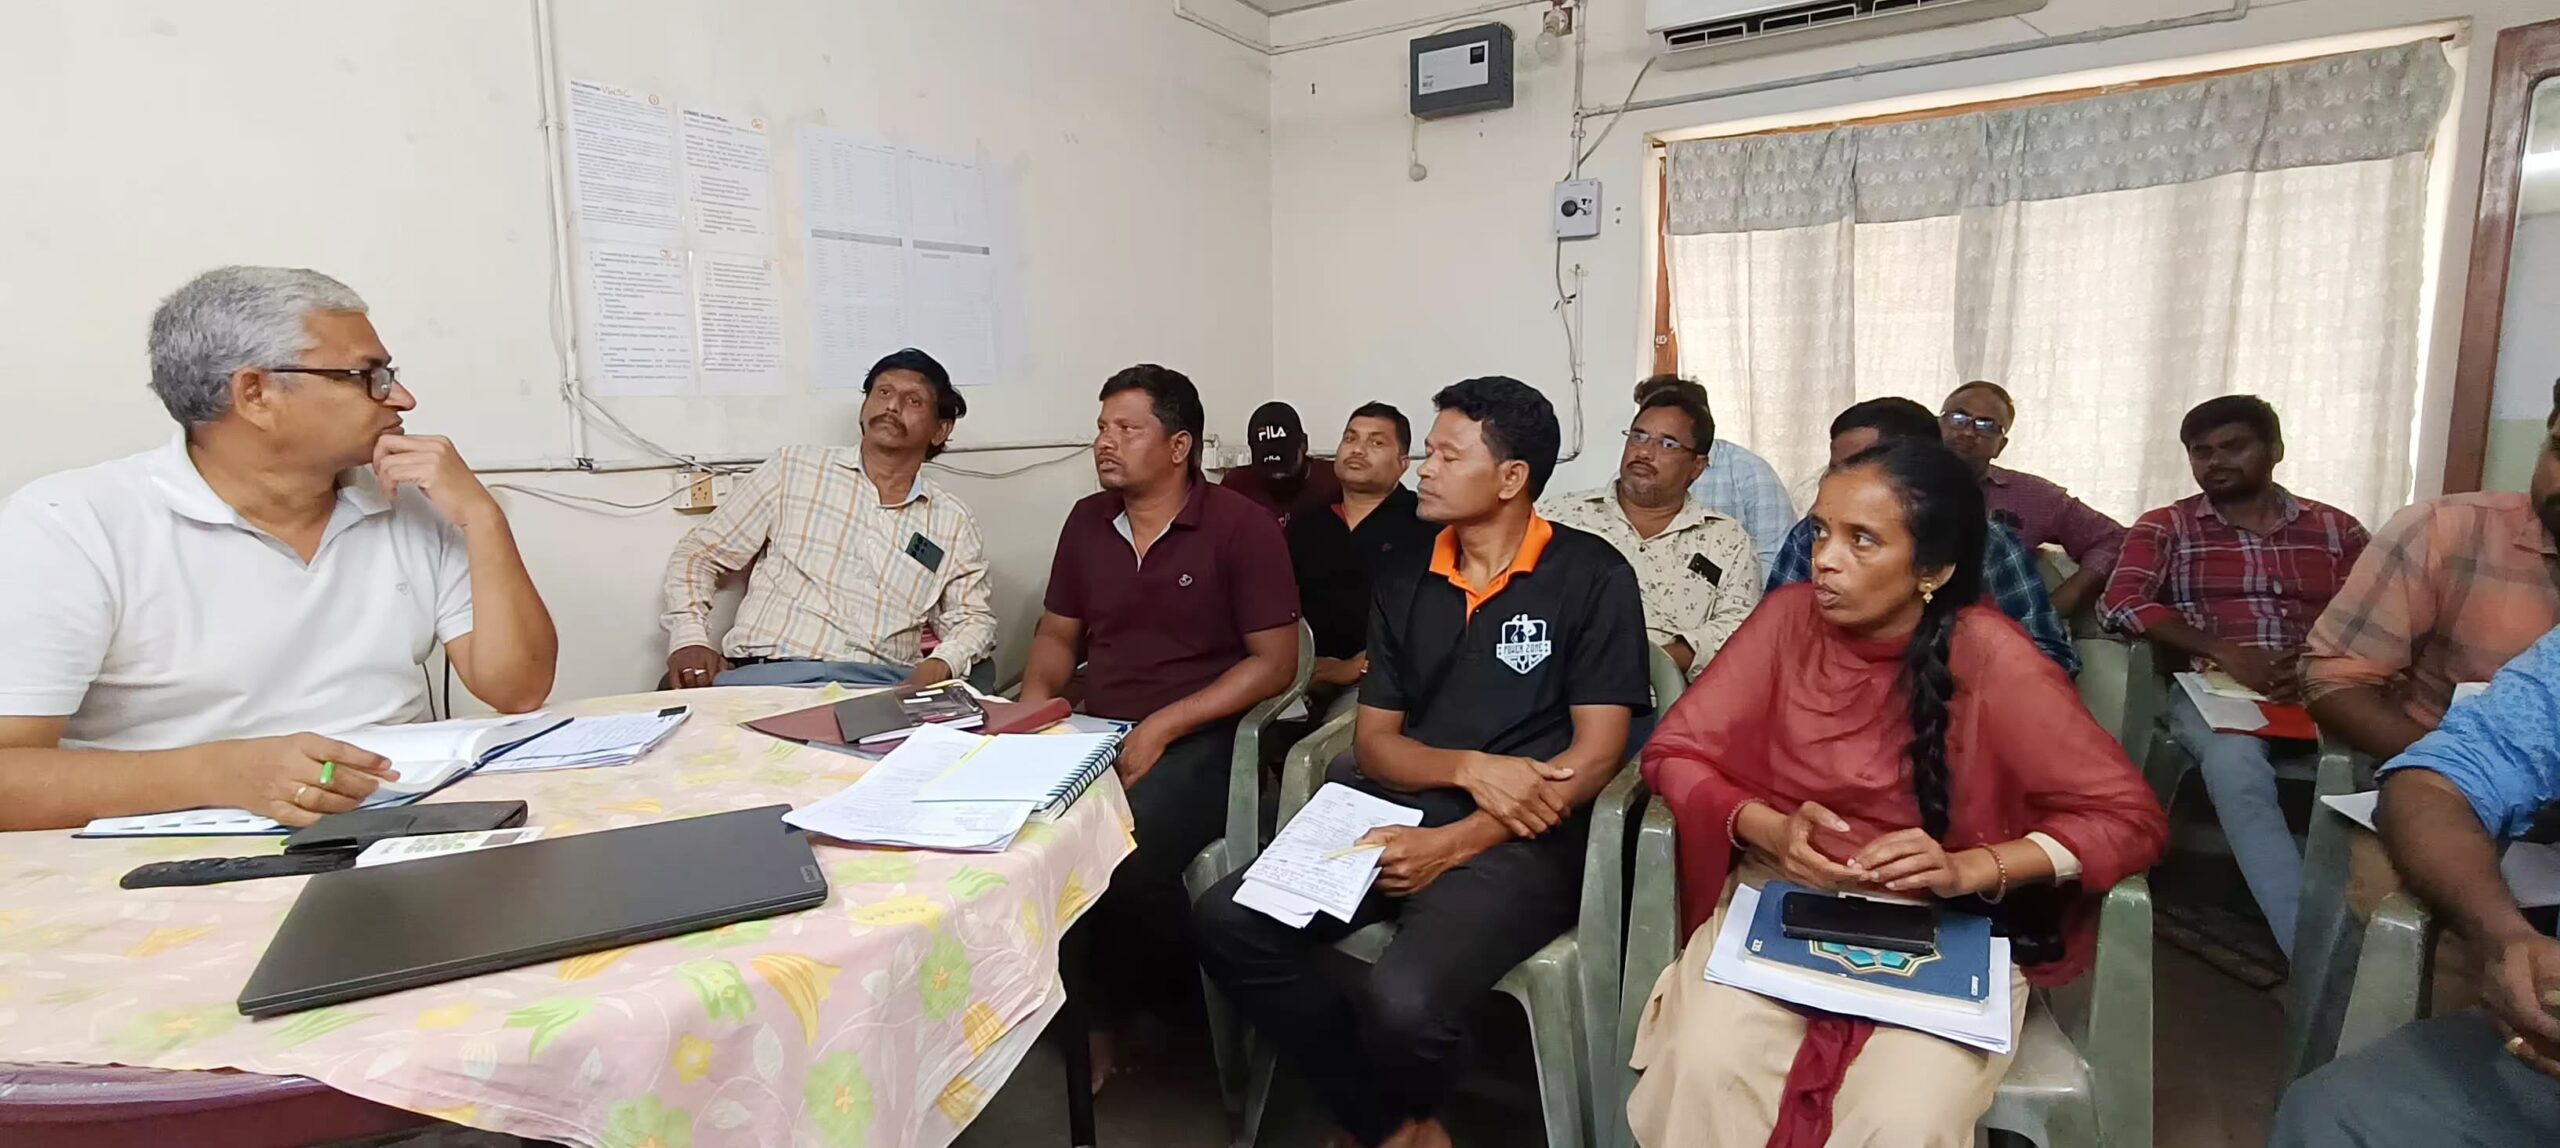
360	933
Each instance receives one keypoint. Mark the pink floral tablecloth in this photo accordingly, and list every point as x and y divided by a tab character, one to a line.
887	1016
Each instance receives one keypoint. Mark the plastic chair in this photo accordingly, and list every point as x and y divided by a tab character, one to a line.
1242	841
2326	933
2144	729
1568	988
2394	969
2082	1073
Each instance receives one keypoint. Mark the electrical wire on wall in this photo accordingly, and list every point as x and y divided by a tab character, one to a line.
1564	17
587	502
1026	468
1614	117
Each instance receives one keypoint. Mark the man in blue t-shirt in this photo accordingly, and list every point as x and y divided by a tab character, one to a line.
2488	775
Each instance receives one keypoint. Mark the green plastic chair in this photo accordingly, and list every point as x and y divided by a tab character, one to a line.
2394	969
1568	989
2144	733
2327	934
1242	841
2082	1074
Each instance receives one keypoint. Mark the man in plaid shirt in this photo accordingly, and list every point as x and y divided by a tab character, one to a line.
856	553
2450	590
2234	576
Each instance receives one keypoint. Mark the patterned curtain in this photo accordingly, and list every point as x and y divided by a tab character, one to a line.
2111	260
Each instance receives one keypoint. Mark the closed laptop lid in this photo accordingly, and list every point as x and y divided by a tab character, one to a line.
363	932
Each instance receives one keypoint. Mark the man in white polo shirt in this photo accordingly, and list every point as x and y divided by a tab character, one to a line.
178	628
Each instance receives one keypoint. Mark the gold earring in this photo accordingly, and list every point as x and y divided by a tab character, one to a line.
1928	594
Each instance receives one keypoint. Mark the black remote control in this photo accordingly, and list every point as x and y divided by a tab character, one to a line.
217	870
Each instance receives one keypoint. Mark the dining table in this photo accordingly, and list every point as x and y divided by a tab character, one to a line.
886	1016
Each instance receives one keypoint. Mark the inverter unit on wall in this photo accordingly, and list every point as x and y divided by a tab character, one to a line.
1693	32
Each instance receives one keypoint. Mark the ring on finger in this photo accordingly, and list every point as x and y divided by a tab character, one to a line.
299	792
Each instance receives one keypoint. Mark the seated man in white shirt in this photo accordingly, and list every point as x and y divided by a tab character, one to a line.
178	628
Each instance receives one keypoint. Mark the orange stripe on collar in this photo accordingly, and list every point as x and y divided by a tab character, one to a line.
1533	544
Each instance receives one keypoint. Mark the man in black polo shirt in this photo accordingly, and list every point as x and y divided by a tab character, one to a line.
1178	594
1337	551
1502	677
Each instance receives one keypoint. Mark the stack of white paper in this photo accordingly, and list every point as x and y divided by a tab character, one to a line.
884	807
2224	703
1727	965
591	741
1038	768
1314	864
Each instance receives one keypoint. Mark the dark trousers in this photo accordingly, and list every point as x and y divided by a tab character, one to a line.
2443	1081
1387	1045
1141	927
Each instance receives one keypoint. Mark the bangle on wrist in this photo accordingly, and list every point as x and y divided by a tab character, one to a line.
2001	868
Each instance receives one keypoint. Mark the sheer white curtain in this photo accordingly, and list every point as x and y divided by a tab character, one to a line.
2112	262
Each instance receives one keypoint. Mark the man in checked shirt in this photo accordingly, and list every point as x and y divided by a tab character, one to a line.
859	553
2234	576
2450	590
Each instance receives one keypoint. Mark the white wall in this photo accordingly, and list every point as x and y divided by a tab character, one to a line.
397	145
1384	287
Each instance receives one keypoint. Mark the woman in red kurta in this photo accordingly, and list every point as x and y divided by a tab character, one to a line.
1877	730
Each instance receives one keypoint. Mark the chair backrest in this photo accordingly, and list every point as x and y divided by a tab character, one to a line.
2146	701
1668	681
1244	770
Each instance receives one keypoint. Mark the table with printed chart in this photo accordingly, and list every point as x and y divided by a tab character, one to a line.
887	1016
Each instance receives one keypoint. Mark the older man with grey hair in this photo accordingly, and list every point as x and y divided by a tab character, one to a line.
180	629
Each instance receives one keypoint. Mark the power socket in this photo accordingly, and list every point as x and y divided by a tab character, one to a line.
698	492
1577	209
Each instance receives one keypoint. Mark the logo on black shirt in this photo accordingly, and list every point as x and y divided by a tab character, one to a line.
1524	644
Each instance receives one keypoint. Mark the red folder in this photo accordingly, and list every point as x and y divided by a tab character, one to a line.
2284	723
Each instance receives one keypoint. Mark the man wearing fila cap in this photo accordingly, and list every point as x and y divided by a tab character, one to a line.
1280	477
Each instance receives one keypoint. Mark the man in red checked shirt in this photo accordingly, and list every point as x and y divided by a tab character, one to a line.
2235	576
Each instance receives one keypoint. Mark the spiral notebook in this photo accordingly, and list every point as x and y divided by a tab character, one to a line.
1050	771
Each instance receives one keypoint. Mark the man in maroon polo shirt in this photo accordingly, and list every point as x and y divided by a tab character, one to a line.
1178	594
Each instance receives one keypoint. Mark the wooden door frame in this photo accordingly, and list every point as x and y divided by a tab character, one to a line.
2526	56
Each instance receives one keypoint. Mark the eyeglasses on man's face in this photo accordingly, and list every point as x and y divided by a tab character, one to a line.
1960	421
1644	440
377	381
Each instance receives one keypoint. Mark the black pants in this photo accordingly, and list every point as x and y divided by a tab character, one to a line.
1141	928
1387	1046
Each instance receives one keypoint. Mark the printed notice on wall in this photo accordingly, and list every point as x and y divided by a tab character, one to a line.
728	180
1449	69
622	165
951	306
900	253
737	305
639	324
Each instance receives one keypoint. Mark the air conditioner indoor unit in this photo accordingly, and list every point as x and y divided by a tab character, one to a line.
1693	32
